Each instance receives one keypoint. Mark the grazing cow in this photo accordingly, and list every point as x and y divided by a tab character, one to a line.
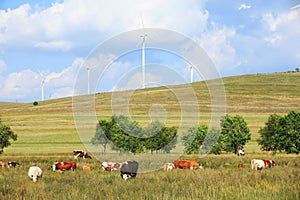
269	163
86	168
35	173
257	164
241	152
3	164
241	166
168	166
187	164
81	154
63	166
12	164
110	166
129	169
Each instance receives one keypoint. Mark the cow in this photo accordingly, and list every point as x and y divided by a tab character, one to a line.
129	169
257	164
269	163
3	164
187	164
81	154
110	166
168	166
12	164
35	173
241	166
63	166
86	168
241	152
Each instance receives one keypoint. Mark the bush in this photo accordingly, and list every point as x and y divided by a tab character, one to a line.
35	103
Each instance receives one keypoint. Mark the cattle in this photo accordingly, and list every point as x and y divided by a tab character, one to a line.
241	152
241	165
187	164
257	164
86	168
110	166
129	169
269	163
168	166
3	164
81	154
35	173
63	166
12	164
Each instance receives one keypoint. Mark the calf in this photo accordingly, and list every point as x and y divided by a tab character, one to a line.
35	173
257	164
63	166
168	166
110	166
12	164
241	166
187	164
129	169
3	164
269	163
81	154
86	168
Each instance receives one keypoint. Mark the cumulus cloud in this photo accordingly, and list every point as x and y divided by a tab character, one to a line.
244	7
2	65
55	45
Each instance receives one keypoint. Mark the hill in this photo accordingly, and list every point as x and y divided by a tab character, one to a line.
49	127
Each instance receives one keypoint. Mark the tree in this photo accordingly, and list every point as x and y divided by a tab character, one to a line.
268	134
234	132
6	134
194	138
281	133
212	143
102	134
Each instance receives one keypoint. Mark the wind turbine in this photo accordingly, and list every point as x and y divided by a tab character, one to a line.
43	77
143	55
88	68
192	73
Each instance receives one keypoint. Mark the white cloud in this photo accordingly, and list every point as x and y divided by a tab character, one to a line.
2	65
244	7
55	45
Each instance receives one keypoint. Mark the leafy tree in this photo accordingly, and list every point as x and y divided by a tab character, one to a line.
234	132
6	134
268	134
212	143
194	138
170	136
281	133
101	137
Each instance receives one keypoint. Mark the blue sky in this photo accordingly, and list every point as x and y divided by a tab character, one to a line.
56	37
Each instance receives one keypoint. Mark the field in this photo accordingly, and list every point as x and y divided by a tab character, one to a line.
219	179
49	127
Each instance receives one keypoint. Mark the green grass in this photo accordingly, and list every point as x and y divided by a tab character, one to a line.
220	179
254	97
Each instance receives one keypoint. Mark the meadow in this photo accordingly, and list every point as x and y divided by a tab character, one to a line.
219	179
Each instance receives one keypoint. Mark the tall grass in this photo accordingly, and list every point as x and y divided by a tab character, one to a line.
220	179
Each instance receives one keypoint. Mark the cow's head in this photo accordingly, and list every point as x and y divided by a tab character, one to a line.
54	166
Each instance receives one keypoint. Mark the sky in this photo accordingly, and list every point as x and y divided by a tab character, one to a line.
49	42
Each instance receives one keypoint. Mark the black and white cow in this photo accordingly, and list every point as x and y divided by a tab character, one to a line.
129	169
81	154
12	164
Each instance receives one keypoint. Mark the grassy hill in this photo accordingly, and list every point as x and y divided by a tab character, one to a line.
49	127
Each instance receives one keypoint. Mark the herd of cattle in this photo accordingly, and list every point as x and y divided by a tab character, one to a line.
127	169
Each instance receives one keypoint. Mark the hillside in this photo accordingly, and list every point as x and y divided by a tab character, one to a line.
49	127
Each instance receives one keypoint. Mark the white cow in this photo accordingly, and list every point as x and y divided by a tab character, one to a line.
257	164
35	173
241	152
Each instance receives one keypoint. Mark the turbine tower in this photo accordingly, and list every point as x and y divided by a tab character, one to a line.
192	73
88	68
143	60
43	77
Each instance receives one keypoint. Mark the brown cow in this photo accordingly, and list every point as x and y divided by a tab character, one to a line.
269	163
241	166
3	164
86	168
187	164
63	166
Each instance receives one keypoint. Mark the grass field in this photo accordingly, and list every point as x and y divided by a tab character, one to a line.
219	179
49	127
